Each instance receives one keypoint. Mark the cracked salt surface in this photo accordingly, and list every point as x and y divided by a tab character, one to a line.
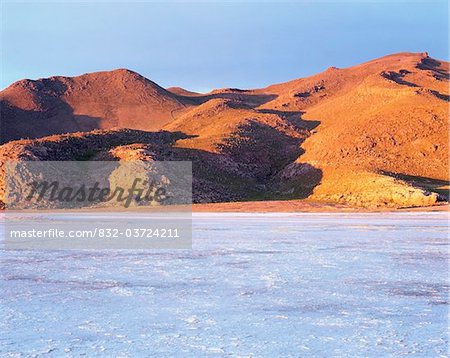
319	285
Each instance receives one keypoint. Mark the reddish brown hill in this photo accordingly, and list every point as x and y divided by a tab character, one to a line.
387	116
375	134
182	92
367	126
120	98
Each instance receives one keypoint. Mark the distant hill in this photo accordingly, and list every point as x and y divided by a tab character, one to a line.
101	100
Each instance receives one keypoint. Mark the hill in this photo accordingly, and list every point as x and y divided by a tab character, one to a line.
371	135
101	100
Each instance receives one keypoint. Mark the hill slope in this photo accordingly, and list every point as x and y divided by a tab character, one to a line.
388	116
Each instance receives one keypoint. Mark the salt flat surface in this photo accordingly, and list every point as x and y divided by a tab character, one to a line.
254	285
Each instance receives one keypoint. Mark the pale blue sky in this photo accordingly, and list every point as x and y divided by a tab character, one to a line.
205	45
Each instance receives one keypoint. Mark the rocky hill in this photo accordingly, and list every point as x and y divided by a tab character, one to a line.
101	100
372	135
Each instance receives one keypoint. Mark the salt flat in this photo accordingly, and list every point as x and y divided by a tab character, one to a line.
263	285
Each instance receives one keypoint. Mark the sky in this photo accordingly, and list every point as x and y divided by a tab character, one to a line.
204	45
